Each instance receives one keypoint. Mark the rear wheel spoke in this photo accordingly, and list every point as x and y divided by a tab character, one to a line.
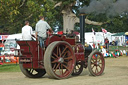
55	61
64	50
66	67
65	54
56	67
68	58
55	55
62	68
59	51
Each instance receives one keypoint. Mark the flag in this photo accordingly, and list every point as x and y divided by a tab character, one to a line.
4	37
93	31
104	30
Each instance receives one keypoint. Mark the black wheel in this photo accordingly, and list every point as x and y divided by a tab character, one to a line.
78	69
32	73
96	63
59	60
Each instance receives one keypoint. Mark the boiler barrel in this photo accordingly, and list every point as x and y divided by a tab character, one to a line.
88	50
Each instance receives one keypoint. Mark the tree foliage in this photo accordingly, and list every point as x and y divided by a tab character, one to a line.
14	12
112	23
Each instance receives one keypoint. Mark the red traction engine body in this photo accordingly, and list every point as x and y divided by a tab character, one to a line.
30	50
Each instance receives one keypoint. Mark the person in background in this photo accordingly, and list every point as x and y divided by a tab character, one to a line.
27	31
41	30
107	44
71	34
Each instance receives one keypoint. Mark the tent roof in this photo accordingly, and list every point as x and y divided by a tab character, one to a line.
126	33
119	34
15	36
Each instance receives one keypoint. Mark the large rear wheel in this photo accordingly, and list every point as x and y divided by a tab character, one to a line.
96	63
59	60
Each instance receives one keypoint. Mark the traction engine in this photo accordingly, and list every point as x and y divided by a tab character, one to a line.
63	56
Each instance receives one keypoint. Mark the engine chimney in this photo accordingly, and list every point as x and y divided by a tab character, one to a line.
82	26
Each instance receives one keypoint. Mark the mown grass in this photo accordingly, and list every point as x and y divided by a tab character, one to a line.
113	48
9	68
16	68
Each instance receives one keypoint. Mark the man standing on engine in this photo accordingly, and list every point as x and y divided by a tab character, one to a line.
41	30
27	31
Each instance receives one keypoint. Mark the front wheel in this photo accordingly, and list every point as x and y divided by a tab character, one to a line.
96	63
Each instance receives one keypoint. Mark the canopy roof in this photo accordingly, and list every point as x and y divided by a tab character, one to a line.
119	34
126	33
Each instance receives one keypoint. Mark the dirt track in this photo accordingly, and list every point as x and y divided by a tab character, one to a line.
116	73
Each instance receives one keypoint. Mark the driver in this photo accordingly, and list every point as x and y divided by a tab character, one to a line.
41	30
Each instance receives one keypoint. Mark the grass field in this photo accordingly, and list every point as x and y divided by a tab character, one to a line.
9	68
15	67
113	48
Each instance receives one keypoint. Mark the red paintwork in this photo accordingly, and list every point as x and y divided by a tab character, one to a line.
79	52
52	39
79	48
79	56
29	50
59	38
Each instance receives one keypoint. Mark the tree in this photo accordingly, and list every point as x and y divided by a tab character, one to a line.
14	12
112	23
69	17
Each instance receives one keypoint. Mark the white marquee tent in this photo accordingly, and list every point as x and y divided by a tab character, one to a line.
99	37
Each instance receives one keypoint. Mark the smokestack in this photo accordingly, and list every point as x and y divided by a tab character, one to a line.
82	26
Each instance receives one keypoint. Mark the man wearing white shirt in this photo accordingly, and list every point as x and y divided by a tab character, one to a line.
27	31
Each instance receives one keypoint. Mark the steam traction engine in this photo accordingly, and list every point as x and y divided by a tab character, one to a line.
63	56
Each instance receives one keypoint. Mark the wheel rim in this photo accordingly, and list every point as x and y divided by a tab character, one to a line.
78	69
62	60
97	64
